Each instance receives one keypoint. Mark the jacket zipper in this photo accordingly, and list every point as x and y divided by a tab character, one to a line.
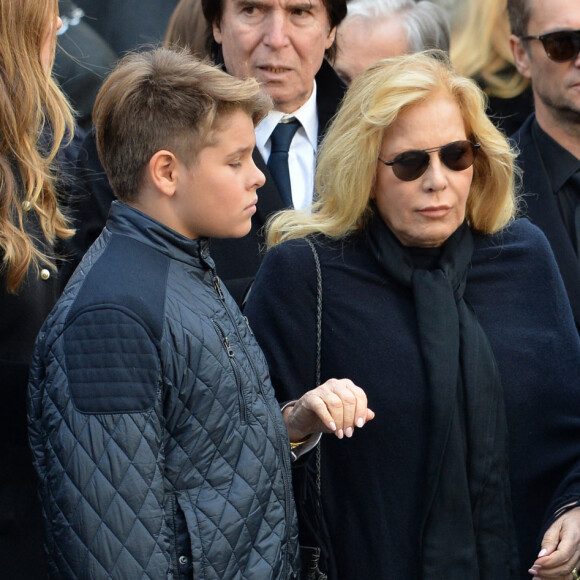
280	437
243	404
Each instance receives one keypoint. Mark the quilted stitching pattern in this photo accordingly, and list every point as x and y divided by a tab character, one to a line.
108	473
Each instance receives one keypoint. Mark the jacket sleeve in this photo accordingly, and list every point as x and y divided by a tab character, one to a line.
97	438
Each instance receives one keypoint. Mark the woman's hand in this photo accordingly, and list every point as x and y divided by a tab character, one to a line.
560	552
337	406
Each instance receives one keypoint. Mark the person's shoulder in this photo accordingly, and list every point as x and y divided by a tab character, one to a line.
286	256
120	273
520	240
293	251
522	141
523	133
294	261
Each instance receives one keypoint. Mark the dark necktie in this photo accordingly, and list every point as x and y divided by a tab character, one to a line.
280	139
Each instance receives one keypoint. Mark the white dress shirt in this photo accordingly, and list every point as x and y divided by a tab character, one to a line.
302	154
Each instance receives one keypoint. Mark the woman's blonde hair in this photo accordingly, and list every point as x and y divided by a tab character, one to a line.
34	118
480	48
347	158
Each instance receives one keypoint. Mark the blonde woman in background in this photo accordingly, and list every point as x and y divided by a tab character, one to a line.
480	49
34	118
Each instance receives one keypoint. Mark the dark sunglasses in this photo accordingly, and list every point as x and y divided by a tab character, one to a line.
560	46
410	165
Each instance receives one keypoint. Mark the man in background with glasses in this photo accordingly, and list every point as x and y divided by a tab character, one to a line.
545	42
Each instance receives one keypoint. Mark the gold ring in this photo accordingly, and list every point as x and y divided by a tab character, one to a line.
575	574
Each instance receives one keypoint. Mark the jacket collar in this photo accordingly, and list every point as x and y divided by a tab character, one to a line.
129	221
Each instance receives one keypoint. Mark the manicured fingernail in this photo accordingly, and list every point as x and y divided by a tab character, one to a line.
333	426
543	552
349	432
532	572
340	433
360	422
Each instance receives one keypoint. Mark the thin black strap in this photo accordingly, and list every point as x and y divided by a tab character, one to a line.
318	310
318	342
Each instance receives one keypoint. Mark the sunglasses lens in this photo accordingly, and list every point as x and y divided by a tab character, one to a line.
410	165
561	46
458	156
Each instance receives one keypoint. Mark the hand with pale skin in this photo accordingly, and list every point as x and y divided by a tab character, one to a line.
337	406
560	552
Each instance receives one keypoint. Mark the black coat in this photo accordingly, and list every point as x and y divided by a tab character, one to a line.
21	316
373	484
237	260
540	207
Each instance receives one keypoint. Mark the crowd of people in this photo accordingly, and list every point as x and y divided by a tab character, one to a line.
290	290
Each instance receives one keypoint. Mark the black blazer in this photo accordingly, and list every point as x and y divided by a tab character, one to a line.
540	207
237	260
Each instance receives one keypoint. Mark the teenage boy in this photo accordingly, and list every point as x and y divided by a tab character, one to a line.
161	450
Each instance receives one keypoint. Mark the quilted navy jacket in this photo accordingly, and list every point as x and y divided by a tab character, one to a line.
159	444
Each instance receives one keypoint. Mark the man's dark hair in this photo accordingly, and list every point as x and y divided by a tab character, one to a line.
213	9
519	12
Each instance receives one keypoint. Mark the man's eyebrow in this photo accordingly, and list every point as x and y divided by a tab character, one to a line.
251	3
304	5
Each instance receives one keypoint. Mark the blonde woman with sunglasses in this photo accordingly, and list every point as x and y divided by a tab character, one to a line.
450	314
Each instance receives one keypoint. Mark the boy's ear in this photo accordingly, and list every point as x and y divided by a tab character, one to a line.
162	169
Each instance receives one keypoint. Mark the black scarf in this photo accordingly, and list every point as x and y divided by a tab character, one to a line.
467	531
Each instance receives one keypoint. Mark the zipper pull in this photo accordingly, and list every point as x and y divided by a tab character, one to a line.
218	287
229	348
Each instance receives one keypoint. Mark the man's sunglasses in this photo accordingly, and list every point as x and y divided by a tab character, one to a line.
560	46
410	165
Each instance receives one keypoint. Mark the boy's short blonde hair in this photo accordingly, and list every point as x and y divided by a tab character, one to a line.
164	99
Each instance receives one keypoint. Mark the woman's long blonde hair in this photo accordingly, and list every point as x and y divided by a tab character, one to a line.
480	48
347	158
35	117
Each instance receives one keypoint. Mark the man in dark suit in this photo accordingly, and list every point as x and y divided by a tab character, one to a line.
545	42
283	44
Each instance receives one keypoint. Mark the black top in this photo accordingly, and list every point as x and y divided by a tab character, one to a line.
560	166
539	204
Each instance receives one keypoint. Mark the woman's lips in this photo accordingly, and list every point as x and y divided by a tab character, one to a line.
435	212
